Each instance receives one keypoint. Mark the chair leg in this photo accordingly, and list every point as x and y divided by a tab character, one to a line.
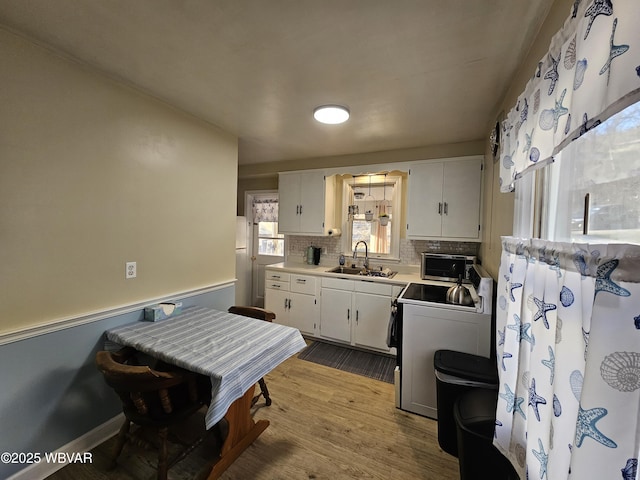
163	454
265	391
120	441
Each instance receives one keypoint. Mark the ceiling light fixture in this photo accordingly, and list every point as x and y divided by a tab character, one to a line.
331	114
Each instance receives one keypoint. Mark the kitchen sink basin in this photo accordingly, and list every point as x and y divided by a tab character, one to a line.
346	270
362	272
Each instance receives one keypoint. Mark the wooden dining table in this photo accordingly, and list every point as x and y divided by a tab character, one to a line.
232	350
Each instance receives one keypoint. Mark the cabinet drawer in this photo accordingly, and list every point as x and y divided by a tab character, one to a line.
275	285
337	283
276	276
303	284
372	287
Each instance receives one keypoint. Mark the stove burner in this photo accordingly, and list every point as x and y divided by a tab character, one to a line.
426	293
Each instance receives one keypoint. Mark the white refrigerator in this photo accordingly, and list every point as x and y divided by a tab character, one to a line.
243	262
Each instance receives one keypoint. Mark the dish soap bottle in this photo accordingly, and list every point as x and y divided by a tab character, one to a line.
310	255
341	260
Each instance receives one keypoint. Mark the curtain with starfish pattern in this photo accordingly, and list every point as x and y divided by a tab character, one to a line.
568	349
591	72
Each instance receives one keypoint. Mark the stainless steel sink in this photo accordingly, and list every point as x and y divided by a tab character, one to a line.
361	272
347	271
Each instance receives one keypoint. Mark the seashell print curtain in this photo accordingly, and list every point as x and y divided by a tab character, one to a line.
591	72
568	349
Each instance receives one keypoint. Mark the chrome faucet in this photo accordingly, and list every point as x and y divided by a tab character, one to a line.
366	253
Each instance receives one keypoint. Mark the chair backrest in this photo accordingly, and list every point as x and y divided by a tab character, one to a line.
143	390
253	312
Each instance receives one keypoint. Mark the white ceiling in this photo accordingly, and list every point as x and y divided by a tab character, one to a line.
413	72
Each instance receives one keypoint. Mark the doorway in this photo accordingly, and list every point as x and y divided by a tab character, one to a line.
267	245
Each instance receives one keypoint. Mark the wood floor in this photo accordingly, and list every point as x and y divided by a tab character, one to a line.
325	424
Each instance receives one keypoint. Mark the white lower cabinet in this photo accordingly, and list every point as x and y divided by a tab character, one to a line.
352	312
278	302
372	320
335	314
293	298
356	312
303	312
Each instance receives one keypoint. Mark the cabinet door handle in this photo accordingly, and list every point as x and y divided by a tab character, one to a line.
446	208
297	209
289	304
585	214
300	209
275	285
348	314
439	208
301	280
357	316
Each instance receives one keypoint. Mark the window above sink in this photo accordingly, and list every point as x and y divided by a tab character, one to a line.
371	212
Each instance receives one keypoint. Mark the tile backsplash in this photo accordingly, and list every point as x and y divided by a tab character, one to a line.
296	246
410	250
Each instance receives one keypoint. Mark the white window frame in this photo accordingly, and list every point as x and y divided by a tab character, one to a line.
279	237
396	205
539	201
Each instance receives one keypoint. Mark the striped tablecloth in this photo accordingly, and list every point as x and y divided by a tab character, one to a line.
233	350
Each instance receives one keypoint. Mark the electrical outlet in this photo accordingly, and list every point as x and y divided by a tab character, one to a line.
130	270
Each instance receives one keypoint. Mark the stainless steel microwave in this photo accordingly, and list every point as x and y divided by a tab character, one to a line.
447	268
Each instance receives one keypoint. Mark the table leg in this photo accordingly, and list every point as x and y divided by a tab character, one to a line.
243	430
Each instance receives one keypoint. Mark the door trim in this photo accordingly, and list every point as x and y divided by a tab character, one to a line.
248	208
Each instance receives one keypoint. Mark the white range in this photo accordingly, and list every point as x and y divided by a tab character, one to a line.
428	323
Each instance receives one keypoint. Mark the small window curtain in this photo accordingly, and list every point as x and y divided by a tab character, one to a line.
265	209
568	350
380	242
380	239
591	72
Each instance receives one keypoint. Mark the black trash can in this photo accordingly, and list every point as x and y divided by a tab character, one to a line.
457	373
475	416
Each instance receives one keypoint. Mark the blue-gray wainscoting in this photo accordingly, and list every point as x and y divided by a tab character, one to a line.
50	390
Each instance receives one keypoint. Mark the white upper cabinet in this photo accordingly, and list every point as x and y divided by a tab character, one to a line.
306	203
444	199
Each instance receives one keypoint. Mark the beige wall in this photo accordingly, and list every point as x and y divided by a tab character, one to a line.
268	182
497	217
93	175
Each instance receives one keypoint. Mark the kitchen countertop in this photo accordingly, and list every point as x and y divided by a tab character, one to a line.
405	275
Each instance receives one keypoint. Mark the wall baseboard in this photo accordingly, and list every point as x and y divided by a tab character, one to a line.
80	445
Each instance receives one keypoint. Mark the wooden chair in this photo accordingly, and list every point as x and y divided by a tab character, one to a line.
267	316
153	399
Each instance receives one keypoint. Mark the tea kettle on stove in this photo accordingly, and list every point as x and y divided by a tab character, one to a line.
459	294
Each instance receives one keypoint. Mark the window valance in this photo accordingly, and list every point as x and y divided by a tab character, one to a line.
265	209
591	72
